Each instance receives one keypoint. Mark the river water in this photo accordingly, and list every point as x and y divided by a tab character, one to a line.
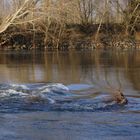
66	95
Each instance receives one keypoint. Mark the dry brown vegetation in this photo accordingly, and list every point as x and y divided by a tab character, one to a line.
66	23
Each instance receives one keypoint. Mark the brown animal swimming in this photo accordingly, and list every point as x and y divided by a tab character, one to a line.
120	98
117	97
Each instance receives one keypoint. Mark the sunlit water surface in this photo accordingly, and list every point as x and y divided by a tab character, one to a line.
51	95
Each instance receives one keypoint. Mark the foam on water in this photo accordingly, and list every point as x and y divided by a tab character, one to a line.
11	93
44	91
19	86
56	97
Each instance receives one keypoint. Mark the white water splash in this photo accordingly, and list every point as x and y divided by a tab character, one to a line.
19	86
61	86
11	92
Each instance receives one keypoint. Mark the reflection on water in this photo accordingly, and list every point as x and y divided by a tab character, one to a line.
61	94
100	70
122	69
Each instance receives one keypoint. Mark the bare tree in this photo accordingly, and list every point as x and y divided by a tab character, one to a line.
13	18
86	11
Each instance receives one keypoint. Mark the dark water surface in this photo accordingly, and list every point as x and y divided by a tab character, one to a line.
64	95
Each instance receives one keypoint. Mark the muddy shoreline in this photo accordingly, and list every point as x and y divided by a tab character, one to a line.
70	37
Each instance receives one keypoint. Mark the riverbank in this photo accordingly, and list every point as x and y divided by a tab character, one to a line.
69	37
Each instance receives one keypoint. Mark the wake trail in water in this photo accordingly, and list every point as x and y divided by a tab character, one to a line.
55	97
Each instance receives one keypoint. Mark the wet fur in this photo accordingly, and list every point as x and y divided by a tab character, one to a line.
120	98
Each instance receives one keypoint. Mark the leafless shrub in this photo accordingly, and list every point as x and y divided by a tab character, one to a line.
51	17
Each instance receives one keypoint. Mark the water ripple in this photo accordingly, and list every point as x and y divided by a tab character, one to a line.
57	97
